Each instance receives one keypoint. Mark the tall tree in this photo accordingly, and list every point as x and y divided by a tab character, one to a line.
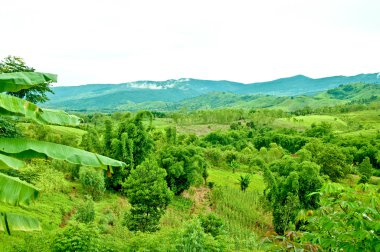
35	94
149	196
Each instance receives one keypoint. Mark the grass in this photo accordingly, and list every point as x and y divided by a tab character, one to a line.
197	129
303	122
228	179
244	212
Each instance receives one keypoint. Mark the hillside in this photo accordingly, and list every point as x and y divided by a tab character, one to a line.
215	100
171	94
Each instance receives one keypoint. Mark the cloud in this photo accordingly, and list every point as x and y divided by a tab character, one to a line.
247	41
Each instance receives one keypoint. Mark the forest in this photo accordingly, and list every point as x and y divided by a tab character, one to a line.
226	179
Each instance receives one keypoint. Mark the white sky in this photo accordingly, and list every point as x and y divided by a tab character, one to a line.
113	41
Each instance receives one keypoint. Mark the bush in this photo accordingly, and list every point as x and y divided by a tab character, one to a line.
86	211
77	237
185	166
212	224
8	129
193	238
365	169
244	182
71	170
92	181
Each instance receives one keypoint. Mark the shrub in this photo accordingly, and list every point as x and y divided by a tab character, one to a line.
193	237
92	181
244	182
71	170
77	237
212	224
365	169
86	211
8	129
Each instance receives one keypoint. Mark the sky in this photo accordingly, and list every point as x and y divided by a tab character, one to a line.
115	41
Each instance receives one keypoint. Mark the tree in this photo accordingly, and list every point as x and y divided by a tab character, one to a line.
288	187
149	196
107	138
244	182
132	144
14	150
185	166
331	158
35	94
365	169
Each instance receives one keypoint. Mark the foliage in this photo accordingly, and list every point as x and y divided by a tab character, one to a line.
333	160
171	135
8	129
288	185
77	237
107	137
35	94
244	182
90	141
185	166
292	156
319	130
92	181
347	220
212	224
132	143
86	211
149	196
365	169
193	238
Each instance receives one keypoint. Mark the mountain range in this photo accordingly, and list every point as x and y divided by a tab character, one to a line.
193	93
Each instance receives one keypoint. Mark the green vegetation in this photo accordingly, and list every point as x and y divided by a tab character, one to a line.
149	196
37	92
236	179
288	94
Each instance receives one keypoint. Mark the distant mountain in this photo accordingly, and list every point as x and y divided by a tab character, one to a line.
340	95
171	94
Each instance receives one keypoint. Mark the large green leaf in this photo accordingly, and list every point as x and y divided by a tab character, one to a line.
10	105
14	82
15	222
27	148
10	162
14	191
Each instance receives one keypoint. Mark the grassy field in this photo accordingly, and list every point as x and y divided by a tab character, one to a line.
303	122
197	129
246	216
228	179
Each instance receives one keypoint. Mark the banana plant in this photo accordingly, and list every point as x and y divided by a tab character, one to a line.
14	150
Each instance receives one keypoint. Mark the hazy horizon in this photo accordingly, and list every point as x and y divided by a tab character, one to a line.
246	83
246	41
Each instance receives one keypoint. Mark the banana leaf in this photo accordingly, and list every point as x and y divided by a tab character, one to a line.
15	222
14	82
10	162
27	148
13	106
15	191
